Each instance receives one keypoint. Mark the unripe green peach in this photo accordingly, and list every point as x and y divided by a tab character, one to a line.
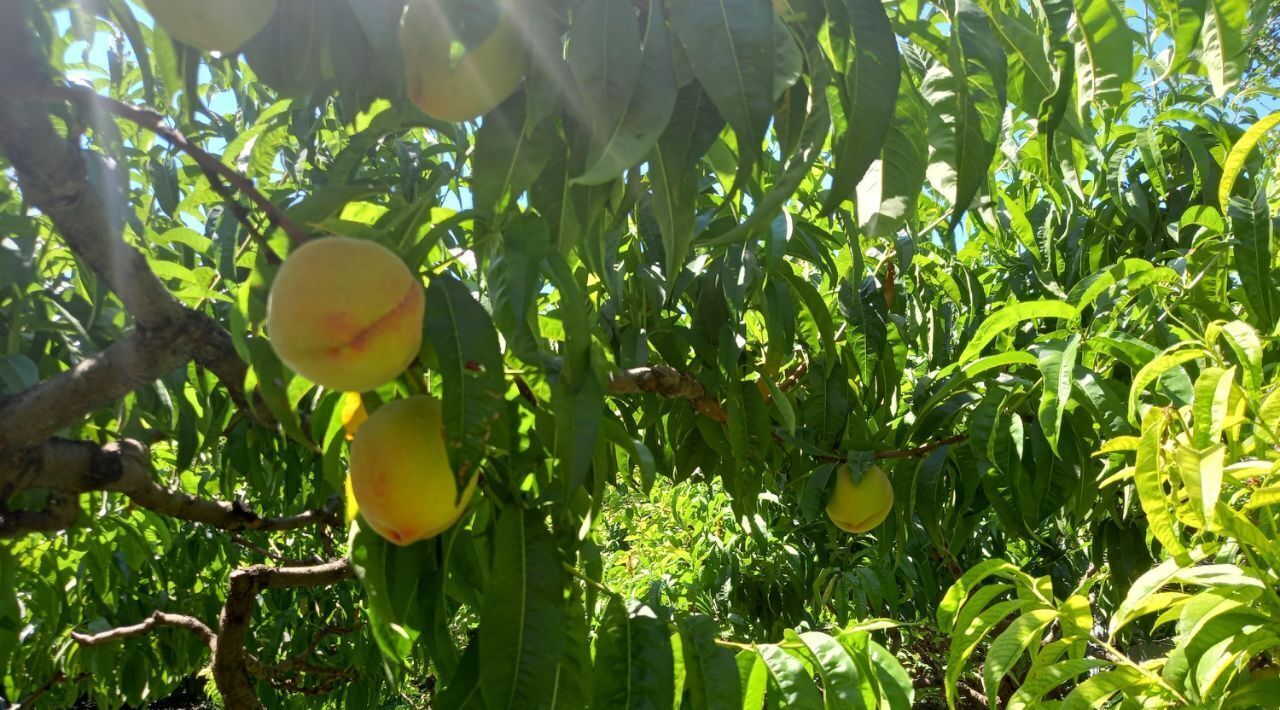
212	25
400	474
345	313
859	507
483	78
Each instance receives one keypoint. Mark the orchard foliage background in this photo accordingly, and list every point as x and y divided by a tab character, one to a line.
1019	254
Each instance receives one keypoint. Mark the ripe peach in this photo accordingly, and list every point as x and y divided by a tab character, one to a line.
212	25
400	472
483	78
857	508
345	313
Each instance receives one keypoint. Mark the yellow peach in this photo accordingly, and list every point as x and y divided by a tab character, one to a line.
345	313
859	507
212	25
483	78
400	473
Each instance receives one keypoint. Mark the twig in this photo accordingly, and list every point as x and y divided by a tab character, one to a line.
921	450
215	169
287	561
55	679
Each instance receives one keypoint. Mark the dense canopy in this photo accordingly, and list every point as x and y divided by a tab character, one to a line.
639	353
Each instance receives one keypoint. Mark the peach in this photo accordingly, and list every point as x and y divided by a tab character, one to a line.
400	474
345	313
483	78
859	507
212	25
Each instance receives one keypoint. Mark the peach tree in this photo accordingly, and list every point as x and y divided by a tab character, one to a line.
643	353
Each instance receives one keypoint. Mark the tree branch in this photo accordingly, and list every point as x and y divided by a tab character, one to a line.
231	670
53	178
670	383
216	170
234	668
70	468
156	620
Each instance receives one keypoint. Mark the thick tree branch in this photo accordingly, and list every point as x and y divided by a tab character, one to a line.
670	383
234	668
52	175
231	670
69	468
37	413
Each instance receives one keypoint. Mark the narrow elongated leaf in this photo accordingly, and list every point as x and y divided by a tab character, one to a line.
730	47
1013	315
889	189
868	89
460	332
842	686
1010	644
572	688
634	667
521	624
1240	151
463	690
1251	225
1057	365
618	142
967	102
789	678
1223	48
1148	477
1104	53
1201	472
711	674
694	125
1155	369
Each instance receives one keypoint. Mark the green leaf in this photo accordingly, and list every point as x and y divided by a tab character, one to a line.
1201	472
462	692
789	678
1104	53
1251	224
521	620
465	343
512	148
1149	479
967	100
868	89
1010	644
571	689
634	666
1043	678
10	618
730	47
1212	395
889	189
1095	690
972	577
1057	365
842	686
1240	152
394	579
1223	47
694	125
711	675
1013	315
1174	357
625	120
